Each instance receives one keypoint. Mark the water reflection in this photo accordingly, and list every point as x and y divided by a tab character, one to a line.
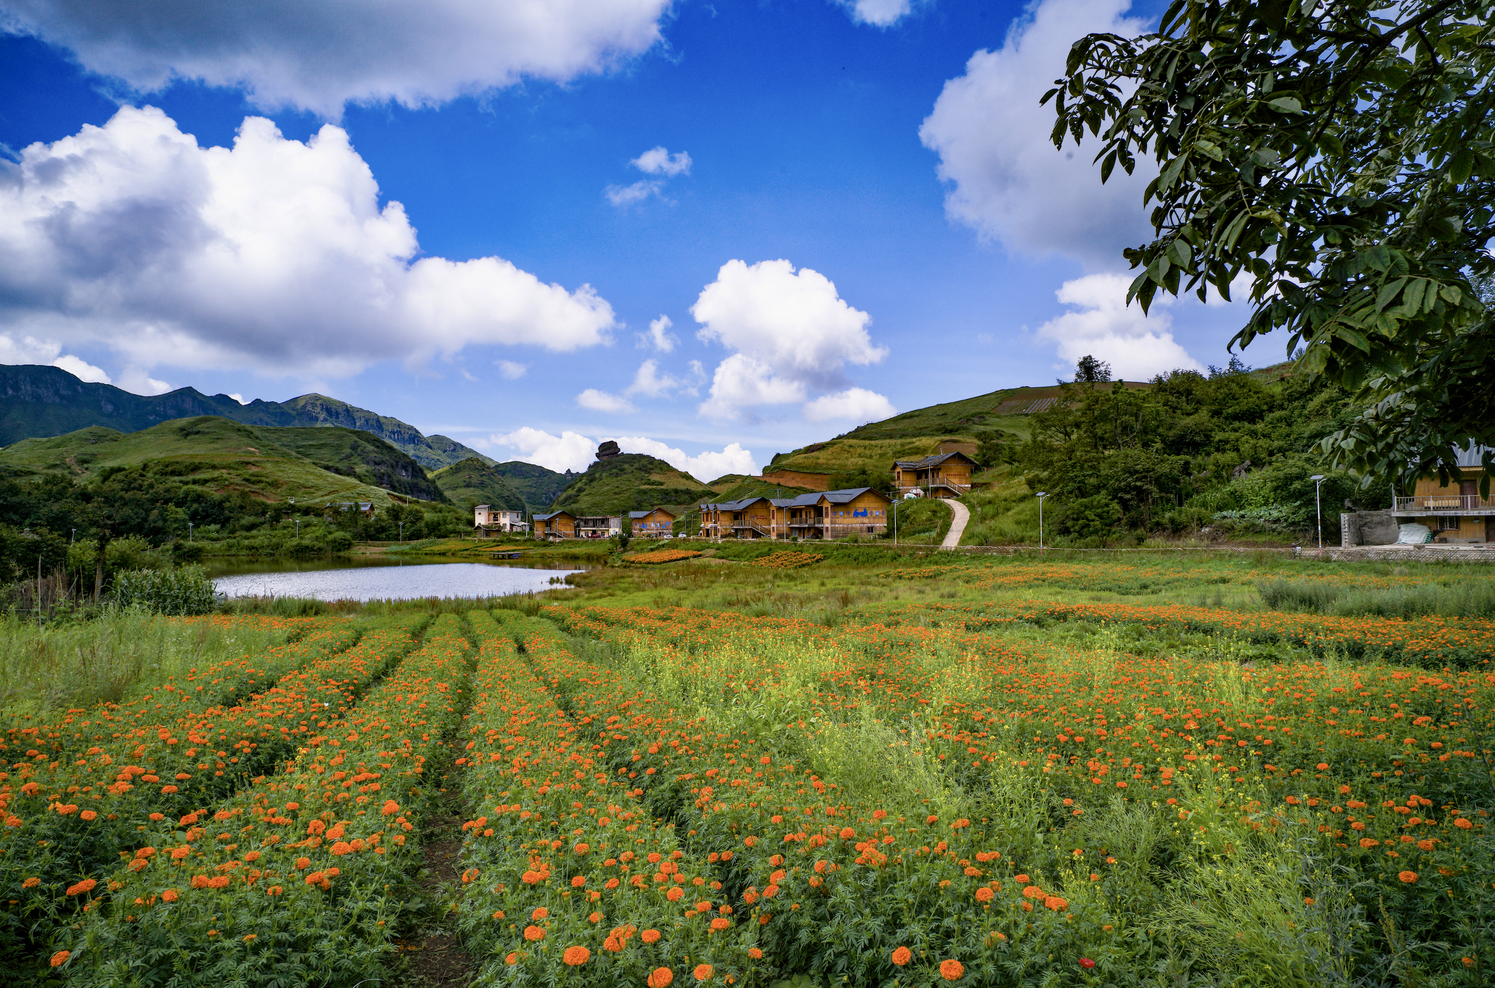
382	579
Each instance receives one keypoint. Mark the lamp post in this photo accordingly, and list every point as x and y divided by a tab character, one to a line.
1041	496
189	531
402	531
75	536
1318	509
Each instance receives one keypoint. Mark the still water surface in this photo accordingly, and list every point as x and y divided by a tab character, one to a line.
381	579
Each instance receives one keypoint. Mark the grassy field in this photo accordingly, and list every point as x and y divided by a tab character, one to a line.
768	765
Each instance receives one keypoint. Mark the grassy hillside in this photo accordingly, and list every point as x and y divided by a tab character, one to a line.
630	482
269	464
38	401
474	482
538	486
737	487
360	455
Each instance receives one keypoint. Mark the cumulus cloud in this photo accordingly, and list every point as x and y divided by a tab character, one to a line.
789	332
1104	326
510	370
318	56
1005	178
878	13
659	336
29	350
707	466
138	381
856	405
573	451
272	254
602	401
650	383
568	451
659	161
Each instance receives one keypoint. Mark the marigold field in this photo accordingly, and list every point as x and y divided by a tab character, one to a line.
912	773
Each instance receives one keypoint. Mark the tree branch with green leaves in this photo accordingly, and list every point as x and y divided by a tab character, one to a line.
1338	157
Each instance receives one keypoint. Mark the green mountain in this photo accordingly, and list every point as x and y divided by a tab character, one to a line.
272	464
629	482
38	401
538	486
473	482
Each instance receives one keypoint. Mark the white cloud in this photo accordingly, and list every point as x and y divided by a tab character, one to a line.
651	383
659	161
627	195
741	384
857	405
706	467
139	382
878	13
601	401
1136	346
272	254
568	451
29	350
317	56
82	370
1006	179
659	336
237	397
788	332
510	370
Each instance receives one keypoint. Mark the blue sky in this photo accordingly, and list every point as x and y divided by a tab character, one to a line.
712	231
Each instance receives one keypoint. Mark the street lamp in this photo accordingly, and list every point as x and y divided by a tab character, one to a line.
1041	496
189	531
1318	509
75	537
402	531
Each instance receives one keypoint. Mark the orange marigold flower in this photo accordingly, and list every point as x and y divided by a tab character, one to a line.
31	883
984	894
702	972
755	953
534	933
576	956
170	895
650	936
675	894
540	913
902	956
83	887
720	923
341	847
390	807
315	878
303	863
60	958
661	977
612	944
1407	876
88	815
952	970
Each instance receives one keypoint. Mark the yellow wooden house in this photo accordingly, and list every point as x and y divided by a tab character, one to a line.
941	475
857	511
1454	511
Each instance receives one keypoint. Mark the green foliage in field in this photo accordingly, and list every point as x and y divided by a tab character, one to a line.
181	591
1447	597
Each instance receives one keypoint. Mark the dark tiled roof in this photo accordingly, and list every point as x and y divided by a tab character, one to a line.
931	461
553	514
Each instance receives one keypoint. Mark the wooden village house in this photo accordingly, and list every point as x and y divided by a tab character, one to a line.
598	526
656	523
1453	512
858	511
940	475
555	525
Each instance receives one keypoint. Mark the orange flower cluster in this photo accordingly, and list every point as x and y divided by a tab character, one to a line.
788	560
655	556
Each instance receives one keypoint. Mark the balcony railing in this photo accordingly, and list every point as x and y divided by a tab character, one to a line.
1445	504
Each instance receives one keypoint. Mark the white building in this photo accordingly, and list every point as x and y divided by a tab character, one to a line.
487	522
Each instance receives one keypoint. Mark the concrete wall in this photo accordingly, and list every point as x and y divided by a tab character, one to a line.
1367	528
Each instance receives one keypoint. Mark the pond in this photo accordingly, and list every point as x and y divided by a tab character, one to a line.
381	579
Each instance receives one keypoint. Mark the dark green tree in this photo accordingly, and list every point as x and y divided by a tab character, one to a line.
1338	156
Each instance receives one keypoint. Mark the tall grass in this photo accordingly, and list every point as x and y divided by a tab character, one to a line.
106	660
1463	598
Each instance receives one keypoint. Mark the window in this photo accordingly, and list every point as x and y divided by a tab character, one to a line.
1446	523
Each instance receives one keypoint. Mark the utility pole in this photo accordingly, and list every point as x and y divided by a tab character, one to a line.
1041	496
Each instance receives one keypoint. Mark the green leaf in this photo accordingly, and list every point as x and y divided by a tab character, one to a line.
1352	337
1286	104
1461	164
1389	292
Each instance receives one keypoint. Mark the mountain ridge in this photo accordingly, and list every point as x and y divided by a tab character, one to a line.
40	402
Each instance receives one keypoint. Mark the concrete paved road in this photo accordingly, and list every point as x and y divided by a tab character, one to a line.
957	525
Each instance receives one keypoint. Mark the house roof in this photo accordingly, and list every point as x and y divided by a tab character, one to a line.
553	514
737	505
1471	456
933	461
645	514
479	507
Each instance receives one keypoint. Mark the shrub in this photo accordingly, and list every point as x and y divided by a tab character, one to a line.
1090	518
179	591
339	542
